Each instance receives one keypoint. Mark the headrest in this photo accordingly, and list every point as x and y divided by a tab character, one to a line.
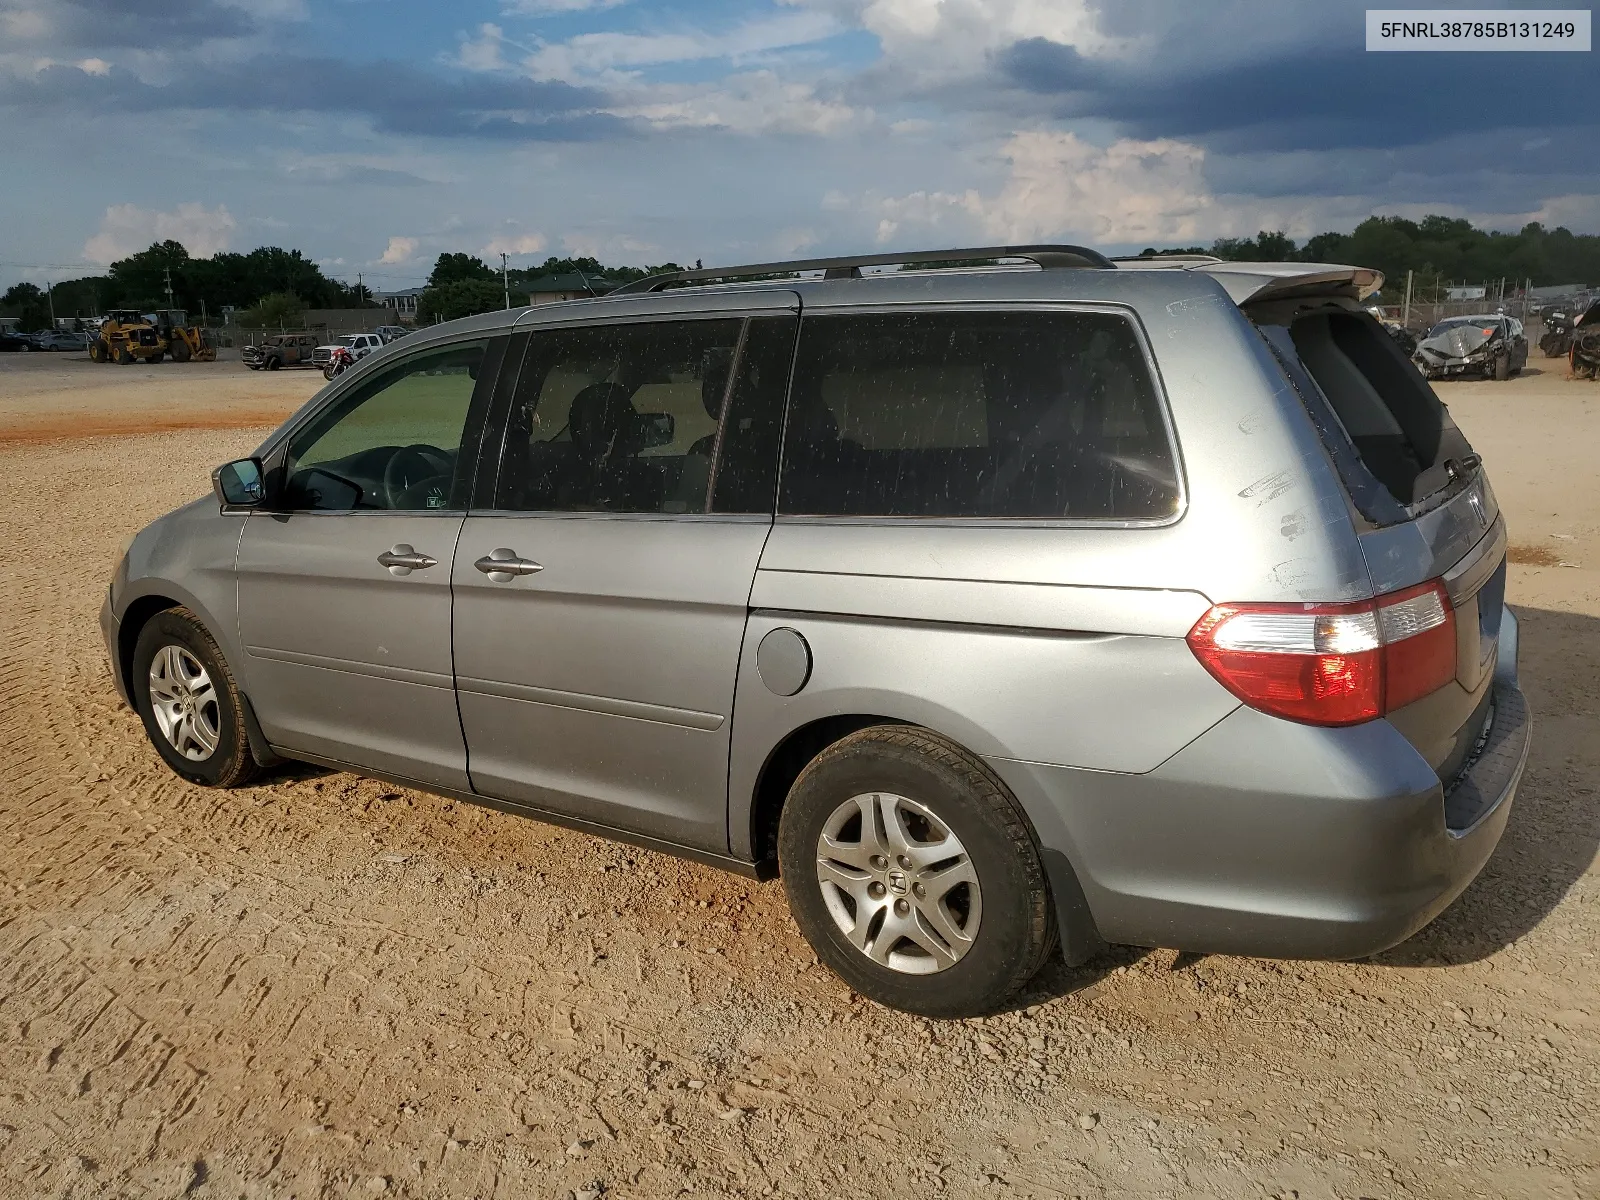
604	424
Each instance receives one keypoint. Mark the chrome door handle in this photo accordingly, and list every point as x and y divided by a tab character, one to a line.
401	559
503	565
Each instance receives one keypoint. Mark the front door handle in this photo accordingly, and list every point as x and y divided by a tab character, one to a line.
401	559
503	565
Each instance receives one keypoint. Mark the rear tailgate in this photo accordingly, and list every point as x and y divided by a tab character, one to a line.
1426	510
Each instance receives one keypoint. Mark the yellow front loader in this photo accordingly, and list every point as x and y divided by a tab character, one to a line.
129	336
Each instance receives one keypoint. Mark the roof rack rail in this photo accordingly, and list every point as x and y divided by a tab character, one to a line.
1047	257
1170	258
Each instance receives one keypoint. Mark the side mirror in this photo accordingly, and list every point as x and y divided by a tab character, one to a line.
240	482
659	429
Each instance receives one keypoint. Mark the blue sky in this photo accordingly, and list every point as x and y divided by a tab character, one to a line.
374	134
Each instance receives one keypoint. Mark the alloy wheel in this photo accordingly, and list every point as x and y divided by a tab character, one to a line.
184	702
898	883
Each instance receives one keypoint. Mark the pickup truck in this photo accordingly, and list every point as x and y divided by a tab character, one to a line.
359	344
281	350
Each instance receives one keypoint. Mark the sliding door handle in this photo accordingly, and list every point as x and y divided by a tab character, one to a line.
502	565
401	559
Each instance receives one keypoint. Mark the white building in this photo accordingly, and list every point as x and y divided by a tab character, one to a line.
403	302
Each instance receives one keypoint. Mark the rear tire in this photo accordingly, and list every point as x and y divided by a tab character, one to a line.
180	352
938	813
189	702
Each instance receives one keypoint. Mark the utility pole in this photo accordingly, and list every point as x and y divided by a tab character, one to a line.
49	291
505	278
361	292
1405	316
167	271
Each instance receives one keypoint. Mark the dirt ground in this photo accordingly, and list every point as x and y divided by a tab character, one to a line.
325	986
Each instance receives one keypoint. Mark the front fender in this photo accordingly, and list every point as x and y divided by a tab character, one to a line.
186	557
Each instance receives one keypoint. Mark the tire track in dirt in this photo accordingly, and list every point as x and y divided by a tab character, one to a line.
321	981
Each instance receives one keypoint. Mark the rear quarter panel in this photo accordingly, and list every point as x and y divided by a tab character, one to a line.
1062	644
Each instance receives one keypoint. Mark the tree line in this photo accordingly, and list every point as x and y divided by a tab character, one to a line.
1438	250
273	286
199	285
462	284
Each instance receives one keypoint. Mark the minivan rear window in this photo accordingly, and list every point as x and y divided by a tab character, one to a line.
1386	411
976	414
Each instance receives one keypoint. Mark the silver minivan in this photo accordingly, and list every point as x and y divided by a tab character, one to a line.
1054	600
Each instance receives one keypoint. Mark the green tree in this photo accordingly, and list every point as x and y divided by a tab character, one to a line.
279	310
463	298
455	268
29	304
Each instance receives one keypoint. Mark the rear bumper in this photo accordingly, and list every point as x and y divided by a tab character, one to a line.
1267	838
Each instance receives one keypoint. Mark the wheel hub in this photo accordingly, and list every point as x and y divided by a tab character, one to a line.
184	703
898	883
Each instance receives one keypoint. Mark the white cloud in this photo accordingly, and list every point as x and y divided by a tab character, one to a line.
126	229
526	243
954	37
752	102
24	23
482	53
93	66
591	55
1129	191
399	250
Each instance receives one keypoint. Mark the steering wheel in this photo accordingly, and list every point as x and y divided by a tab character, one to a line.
410	466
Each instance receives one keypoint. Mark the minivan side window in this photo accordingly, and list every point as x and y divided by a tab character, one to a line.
618	418
392	443
1000	414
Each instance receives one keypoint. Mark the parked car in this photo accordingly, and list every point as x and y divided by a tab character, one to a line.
1404	338
12	339
60	339
1159	605
391	333
281	350
1491	346
359	344
1556	340
1583	350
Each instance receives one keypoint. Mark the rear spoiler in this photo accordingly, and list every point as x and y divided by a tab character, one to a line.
1252	283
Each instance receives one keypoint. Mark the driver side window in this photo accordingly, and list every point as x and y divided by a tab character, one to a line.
393	443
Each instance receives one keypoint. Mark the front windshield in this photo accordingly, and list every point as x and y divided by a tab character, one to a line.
348	340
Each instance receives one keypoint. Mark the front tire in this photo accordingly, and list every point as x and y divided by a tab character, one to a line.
914	874
1502	368
189	703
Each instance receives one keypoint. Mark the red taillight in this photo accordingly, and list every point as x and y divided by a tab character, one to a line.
1331	664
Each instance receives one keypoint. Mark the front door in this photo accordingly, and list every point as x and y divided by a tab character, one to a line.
601	596
344	589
